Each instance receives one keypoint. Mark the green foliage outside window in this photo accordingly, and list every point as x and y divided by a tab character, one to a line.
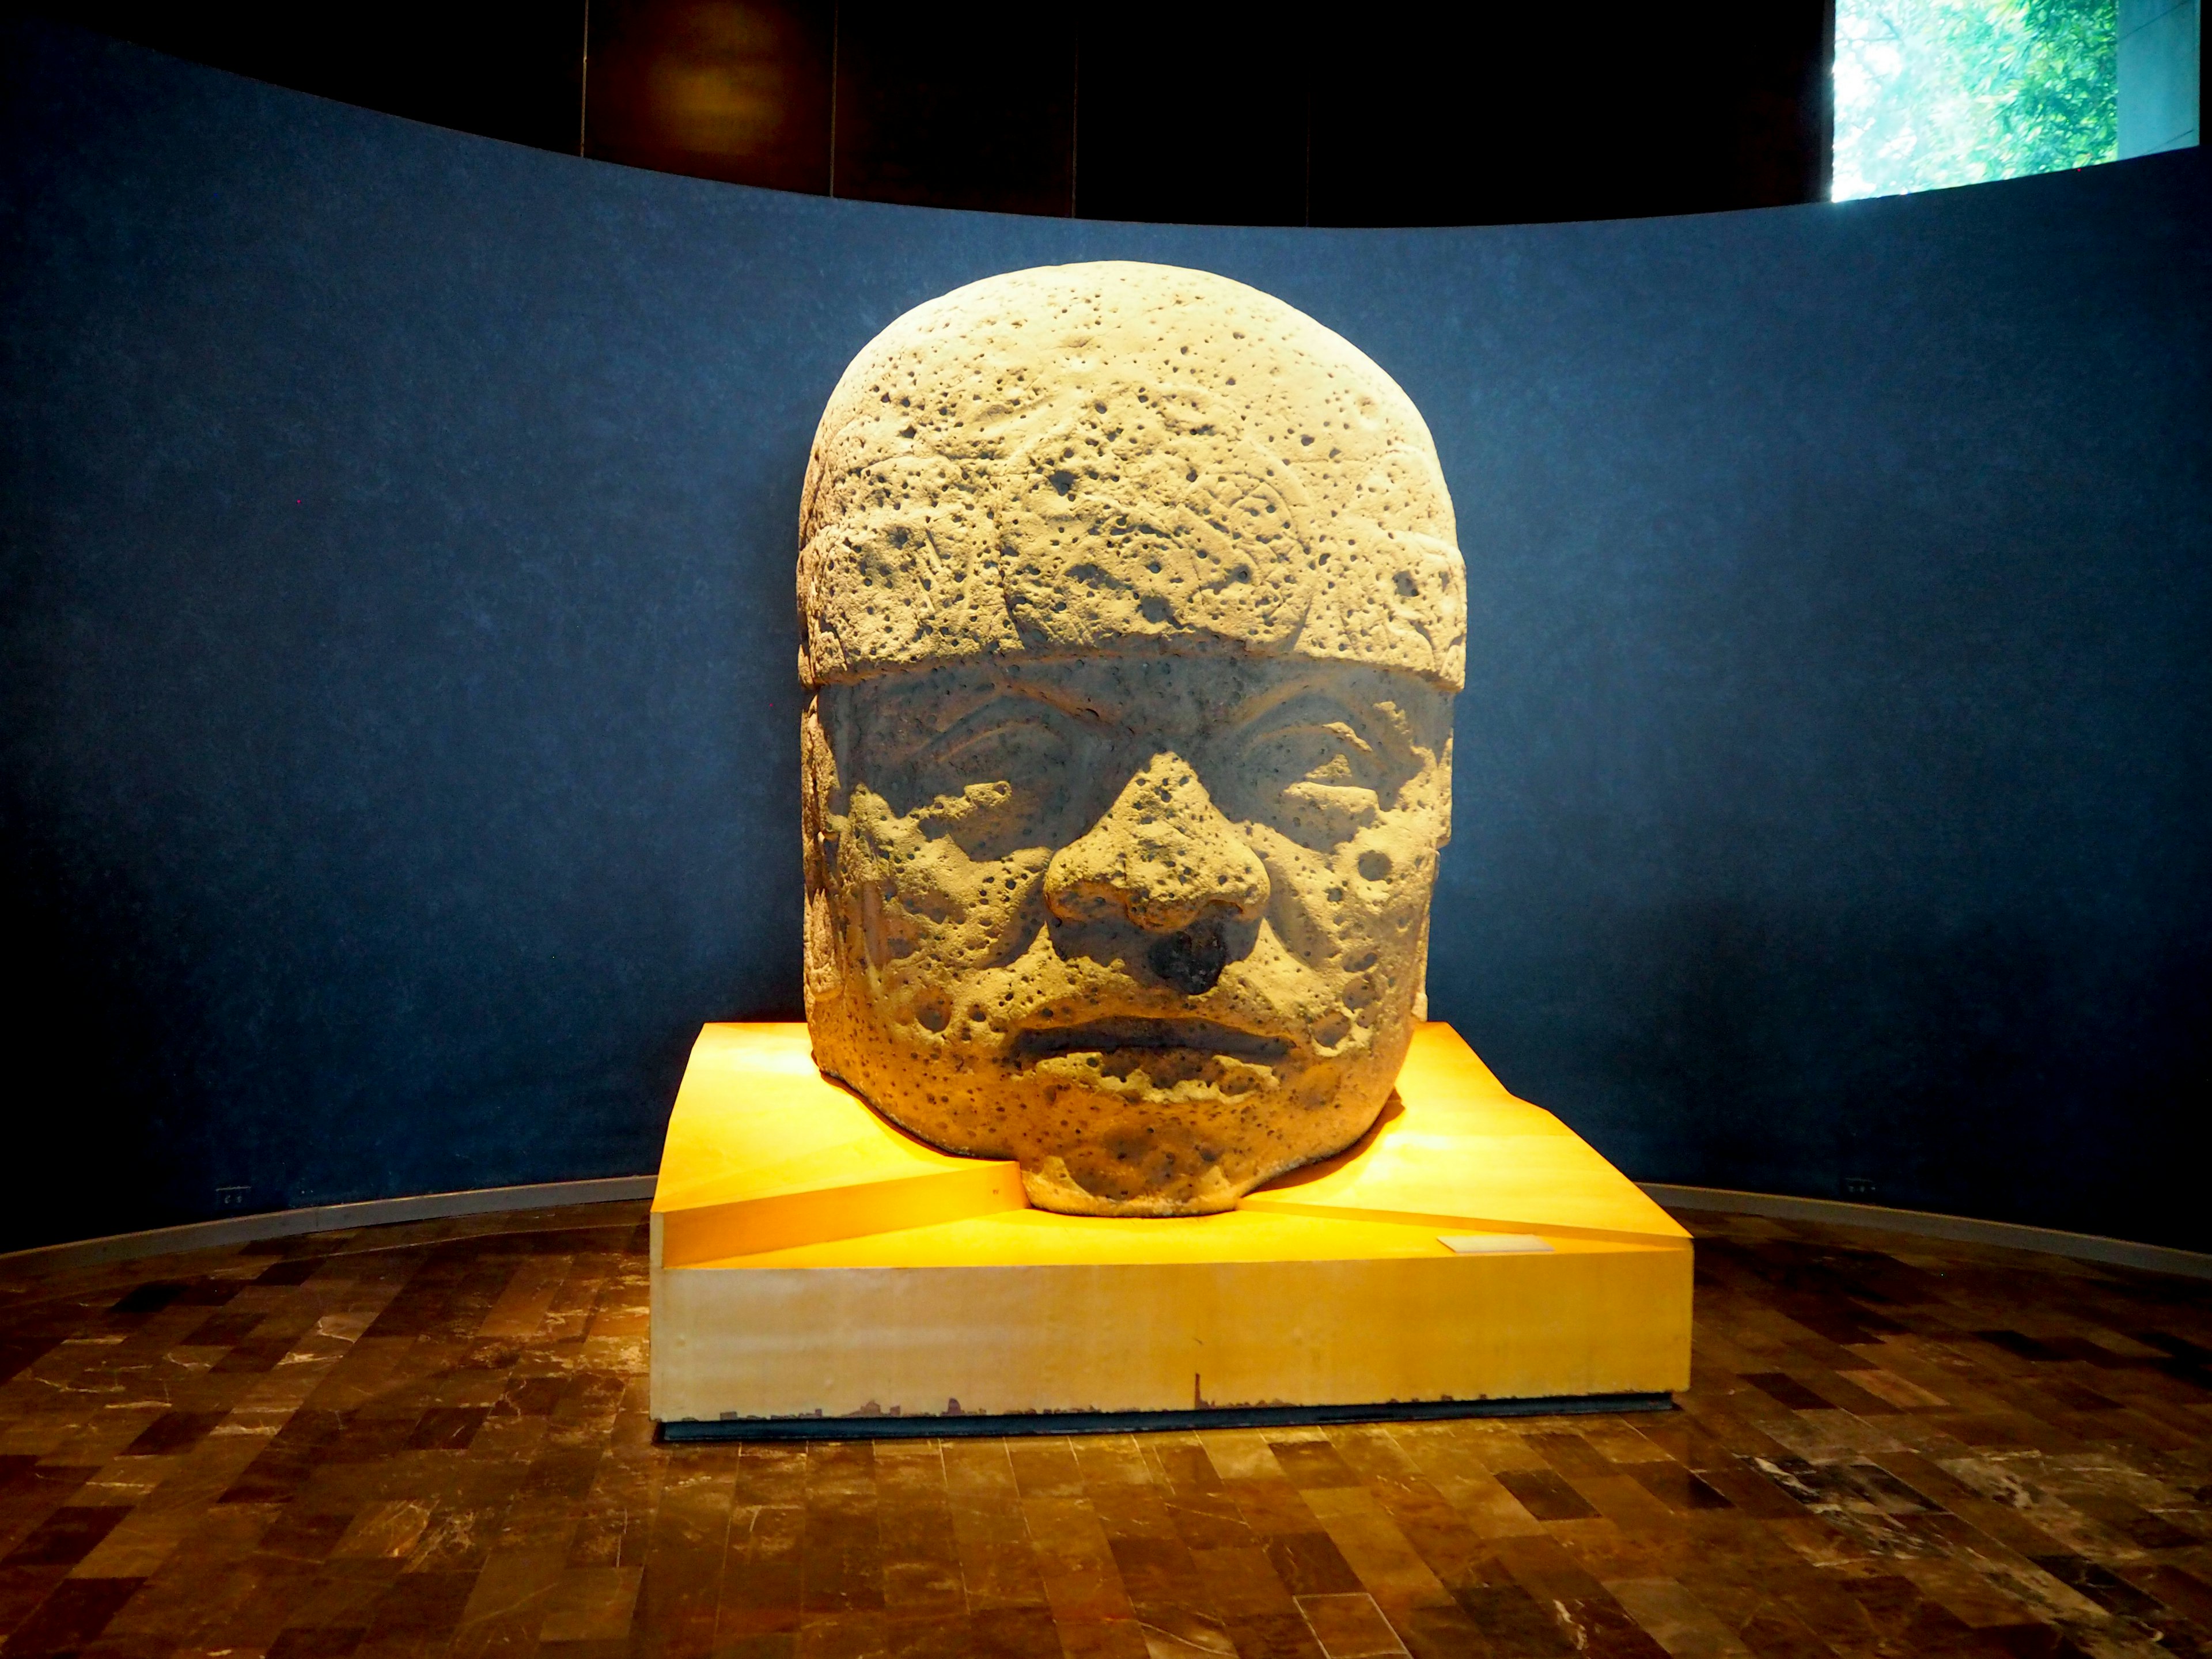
1931	92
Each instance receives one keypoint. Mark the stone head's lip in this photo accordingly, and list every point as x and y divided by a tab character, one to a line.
1130	1031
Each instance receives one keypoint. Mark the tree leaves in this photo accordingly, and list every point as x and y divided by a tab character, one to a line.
1933	93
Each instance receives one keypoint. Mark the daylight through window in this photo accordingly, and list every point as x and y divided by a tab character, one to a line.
1931	93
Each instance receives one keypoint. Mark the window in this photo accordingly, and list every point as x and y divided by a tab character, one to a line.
1931	93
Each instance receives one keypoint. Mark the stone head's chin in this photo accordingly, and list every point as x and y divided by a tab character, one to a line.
1053	1185
1176	1133
1124	1115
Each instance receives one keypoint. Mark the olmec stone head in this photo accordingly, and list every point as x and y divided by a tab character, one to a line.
1132	615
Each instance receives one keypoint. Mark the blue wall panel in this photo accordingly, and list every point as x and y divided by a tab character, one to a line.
399	709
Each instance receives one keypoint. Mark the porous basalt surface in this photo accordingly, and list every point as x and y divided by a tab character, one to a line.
1128	759
1065	459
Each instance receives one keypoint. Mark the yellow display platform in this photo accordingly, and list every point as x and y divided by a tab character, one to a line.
810	1260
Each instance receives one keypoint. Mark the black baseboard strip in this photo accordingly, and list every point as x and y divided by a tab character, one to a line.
983	1426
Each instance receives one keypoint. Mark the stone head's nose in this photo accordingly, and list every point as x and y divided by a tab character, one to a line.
1162	857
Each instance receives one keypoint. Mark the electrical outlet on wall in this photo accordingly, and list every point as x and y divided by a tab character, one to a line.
1859	1189
233	1198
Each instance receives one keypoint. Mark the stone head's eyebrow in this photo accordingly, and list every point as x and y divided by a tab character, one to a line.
909	714
1380	721
1287	694
960	701
1076	696
984	709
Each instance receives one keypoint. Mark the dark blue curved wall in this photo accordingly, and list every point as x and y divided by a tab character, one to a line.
397	692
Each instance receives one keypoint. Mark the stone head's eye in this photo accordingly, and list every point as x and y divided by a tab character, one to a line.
1322	752
1022	751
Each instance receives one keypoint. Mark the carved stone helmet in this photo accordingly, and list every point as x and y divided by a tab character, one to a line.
1132	615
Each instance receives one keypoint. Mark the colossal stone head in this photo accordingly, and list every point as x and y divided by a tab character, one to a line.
1132	615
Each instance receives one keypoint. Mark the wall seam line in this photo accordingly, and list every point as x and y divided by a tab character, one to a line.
231	1231
234	1230
1925	1223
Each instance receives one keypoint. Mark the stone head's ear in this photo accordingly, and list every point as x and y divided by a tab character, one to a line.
820	817
822	789
1445	785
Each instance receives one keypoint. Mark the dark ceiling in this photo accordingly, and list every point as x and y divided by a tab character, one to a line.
1229	114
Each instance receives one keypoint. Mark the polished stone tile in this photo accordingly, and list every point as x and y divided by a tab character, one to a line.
428	1442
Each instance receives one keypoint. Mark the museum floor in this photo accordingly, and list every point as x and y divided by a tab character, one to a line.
431	1439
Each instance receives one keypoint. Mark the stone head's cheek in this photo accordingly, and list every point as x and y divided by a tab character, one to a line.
1353	915
1323	922
1305	896
1391	868
1393	875
1376	877
1390	864
924	916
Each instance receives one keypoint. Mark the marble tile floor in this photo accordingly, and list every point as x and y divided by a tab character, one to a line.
432	1440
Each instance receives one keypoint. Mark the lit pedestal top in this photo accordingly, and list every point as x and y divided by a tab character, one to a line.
809	1258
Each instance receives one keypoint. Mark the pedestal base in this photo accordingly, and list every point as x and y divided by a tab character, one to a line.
811	1260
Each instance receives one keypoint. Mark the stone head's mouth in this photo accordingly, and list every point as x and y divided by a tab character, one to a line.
1138	1035
1154	1061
